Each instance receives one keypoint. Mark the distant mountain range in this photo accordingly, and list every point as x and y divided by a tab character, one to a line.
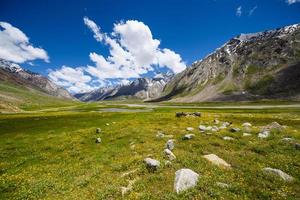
14	74
141	88
264	65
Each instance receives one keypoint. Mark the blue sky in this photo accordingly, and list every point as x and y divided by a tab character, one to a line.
190	29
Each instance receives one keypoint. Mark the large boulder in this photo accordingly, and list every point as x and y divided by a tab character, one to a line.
214	159
284	176
185	179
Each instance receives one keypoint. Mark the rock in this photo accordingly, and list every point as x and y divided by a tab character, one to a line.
297	146
279	173
197	114
98	140
98	130
222	127
273	126
226	124
107	124
227	138
235	130
160	135
152	163
214	159
169	154
189	128
202	128
222	185
168	163
170	144
246	134
287	139
264	134
188	136
208	128
246	124
216	121
215	129
180	114
185	179
183	114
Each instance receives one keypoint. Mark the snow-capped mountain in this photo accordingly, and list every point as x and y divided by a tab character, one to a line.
15	74
141	88
249	66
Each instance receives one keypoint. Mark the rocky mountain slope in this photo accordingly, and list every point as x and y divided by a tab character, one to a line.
14	74
141	88
247	67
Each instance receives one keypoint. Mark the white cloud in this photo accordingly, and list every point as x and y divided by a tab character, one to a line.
132	52
73	79
252	10
239	11
292	1
15	46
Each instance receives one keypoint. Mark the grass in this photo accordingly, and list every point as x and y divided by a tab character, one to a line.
52	154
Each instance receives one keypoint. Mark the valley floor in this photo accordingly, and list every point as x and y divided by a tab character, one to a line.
52	153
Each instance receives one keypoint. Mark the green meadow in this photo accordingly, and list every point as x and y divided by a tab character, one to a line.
52	153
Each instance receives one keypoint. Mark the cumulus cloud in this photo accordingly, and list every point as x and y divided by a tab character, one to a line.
73	79
239	11
132	52
15	46
292	1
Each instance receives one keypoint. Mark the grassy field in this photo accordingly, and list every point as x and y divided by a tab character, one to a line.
52	154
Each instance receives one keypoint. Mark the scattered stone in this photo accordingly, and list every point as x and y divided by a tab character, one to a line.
222	127
170	144
287	139
297	146
160	135
214	159
216	121
98	140
98	130
215	129
202	128
107	124
185	179
264	134
279	173
189	128
246	124
222	185
152	163
169	154
273	126
188	136
186	114
227	138
235	130
208	128
246	134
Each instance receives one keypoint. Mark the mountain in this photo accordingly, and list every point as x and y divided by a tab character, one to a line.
21	88
262	65
141	88
15	74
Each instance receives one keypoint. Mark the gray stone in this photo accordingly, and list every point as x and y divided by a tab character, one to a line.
246	124
284	176
152	163
202	128
214	159
189	128
98	140
169	154
170	144
227	138
185	179
188	136
98	130
235	130
273	126
287	139
264	134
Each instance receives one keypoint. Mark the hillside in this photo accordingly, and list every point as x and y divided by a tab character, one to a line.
264	65
21	89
